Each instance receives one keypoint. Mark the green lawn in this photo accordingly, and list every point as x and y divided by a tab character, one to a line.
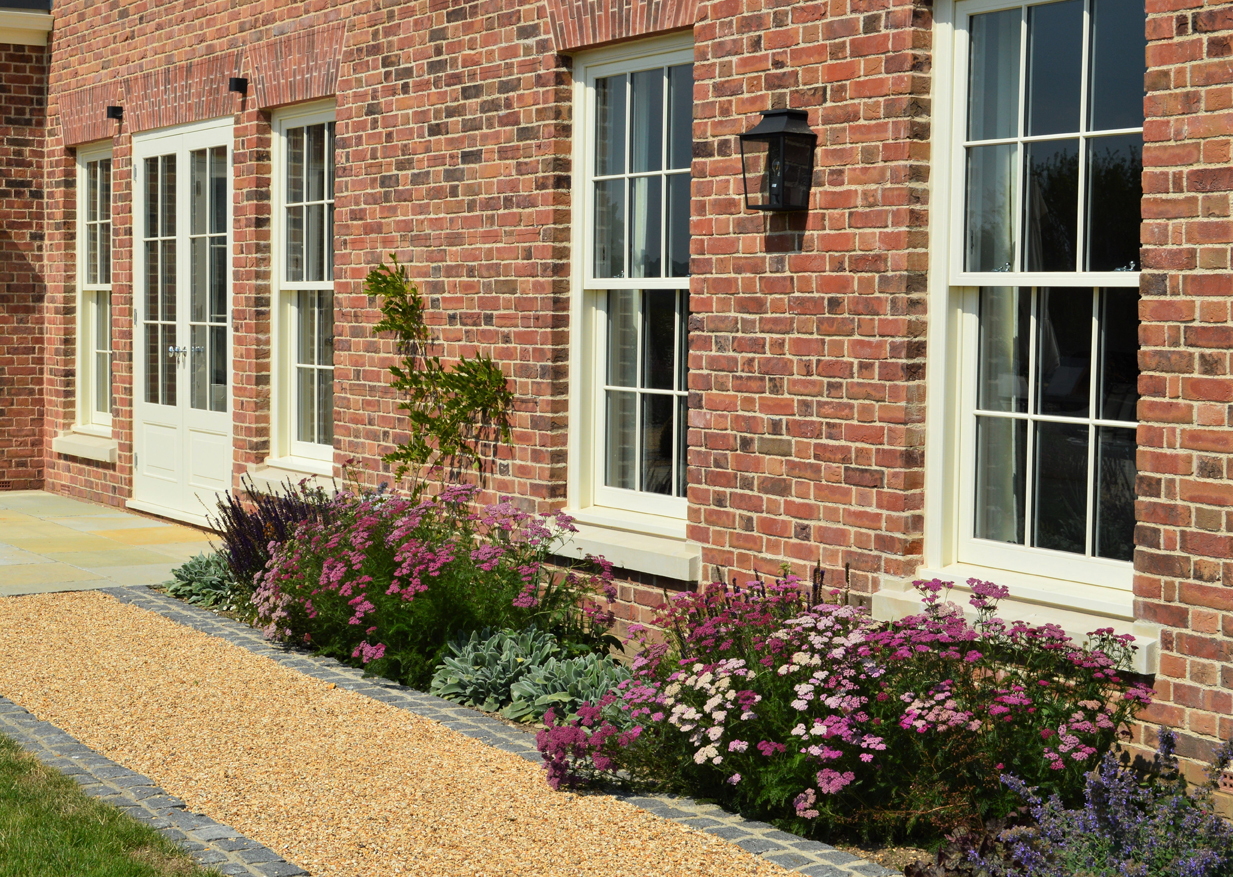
49	828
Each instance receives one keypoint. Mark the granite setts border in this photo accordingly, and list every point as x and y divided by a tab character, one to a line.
794	853
209	842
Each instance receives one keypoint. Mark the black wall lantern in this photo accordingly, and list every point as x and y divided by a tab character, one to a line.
114	112
777	161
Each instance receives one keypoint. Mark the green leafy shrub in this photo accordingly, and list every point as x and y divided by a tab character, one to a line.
388	582
484	666
458	415
563	686
205	579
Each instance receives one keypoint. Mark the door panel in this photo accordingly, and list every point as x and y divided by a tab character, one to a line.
182	409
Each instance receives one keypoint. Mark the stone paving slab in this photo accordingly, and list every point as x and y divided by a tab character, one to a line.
54	543
788	850
209	842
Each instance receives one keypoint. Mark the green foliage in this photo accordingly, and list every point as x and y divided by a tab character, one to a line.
484	666
562	686
205	579
49	828
457	415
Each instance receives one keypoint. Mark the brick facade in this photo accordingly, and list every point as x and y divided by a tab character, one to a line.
455	132
1184	560
23	344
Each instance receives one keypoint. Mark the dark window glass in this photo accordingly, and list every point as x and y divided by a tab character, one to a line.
1054	74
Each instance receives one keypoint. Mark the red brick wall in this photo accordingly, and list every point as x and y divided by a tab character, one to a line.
1184	561
23	113
807	335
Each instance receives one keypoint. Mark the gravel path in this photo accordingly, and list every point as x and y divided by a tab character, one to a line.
331	780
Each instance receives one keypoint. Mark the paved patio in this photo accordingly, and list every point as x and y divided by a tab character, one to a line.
53	543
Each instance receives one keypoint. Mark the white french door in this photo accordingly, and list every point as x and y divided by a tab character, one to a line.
182	349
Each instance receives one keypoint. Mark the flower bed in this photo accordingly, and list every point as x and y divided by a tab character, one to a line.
828	722
388	581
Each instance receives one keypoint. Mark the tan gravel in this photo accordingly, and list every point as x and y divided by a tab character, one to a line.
329	779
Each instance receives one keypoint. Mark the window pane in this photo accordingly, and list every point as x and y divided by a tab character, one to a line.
1114	196
295	243
295	165
218	190
104	252
325	328
991	208
1060	496
680	116
199	354
152	277
1005	331
306	332
314	243
329	242
678	225
646	121
218	279
1064	352
1052	207
152	190
92	254
169	365
610	125
329	160
167	280
325	406
306	407
620	443
104	190
682	355
92	191
1118	64
658	443
102	383
153	358
102	321
199	278
1119	354
167	210
993	81
623	338
1001	475
645	209
314	149
1115	493
682	431
610	228
199	192
218	368
658	338
1055	57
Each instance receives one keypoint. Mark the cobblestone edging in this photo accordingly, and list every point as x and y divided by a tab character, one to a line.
788	850
209	842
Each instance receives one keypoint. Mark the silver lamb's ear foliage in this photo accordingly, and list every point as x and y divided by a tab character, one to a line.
484	667
563	686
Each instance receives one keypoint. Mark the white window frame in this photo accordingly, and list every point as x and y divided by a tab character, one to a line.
286	451
587	497
89	296
1040	575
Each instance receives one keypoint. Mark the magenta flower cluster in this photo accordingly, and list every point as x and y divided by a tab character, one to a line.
386	581
822	715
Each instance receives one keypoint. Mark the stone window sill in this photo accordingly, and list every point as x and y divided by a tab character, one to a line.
638	552
87	447
273	475
1077	609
